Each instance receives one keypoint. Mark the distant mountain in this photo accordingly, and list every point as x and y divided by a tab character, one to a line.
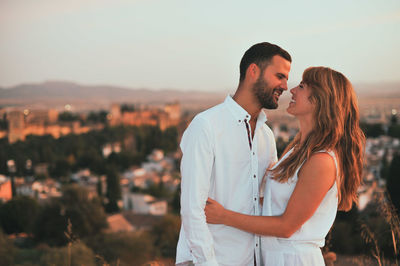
55	93
69	90
382	89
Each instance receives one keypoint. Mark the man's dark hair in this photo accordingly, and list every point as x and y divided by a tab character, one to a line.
261	55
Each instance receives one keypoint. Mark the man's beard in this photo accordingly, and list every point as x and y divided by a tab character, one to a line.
264	94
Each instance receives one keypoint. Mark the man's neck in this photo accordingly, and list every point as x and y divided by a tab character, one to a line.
247	102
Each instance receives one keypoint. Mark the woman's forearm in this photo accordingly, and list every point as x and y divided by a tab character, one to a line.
260	225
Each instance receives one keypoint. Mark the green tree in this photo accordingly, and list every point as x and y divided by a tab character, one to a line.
75	255
127	108
18	215
51	224
394	131
29	256
113	192
123	249
68	117
176	201
169	142
3	124
346	233
393	182
61	168
384	166
98	117
166	234
86	215
7	250
372	130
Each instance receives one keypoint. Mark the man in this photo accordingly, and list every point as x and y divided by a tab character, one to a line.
226	151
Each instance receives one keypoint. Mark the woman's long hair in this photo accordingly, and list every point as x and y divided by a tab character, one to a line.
336	128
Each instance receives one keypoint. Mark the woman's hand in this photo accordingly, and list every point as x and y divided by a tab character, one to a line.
215	212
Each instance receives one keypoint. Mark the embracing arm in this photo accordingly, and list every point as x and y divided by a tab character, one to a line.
315	179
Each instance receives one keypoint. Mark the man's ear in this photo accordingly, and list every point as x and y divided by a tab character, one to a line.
253	72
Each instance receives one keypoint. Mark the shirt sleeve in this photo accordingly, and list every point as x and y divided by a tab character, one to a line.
196	167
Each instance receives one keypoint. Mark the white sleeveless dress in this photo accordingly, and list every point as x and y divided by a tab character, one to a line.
303	248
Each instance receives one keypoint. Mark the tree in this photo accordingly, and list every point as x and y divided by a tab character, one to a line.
393	182
61	168
18	215
68	117
166	234
384	166
98	117
176	201
86	216
74	255
123	249
372	130
51	225
127	108
7	250
169	142
394	131
113	193
3	124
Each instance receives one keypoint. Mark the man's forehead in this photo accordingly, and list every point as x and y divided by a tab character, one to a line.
279	63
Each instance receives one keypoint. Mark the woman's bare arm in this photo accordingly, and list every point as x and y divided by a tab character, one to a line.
316	177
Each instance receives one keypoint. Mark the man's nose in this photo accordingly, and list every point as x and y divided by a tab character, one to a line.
284	85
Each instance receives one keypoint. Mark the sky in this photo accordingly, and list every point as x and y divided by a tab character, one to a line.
192	45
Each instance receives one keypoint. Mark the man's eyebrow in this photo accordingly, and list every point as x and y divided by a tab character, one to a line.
283	75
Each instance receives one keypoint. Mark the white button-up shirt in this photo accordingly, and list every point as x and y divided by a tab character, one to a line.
221	161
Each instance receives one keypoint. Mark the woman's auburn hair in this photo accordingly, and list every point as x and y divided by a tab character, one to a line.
336	129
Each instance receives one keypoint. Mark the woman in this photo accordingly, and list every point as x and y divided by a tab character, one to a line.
319	172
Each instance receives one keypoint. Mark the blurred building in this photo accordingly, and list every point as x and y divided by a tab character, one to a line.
5	189
49	116
163	118
16	126
39	122
142	222
117	223
144	204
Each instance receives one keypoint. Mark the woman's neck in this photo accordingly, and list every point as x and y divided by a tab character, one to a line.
306	126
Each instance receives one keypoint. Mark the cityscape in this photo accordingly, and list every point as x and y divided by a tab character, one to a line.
95	96
105	182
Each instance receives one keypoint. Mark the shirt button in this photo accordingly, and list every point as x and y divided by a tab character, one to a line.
254	176
254	153
256	245
240	121
255	198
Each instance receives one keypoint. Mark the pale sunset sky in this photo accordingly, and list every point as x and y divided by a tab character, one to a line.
192	45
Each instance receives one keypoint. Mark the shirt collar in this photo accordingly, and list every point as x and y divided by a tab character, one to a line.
238	112
241	114
262	117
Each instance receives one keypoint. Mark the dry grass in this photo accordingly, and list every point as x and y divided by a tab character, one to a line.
388	212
